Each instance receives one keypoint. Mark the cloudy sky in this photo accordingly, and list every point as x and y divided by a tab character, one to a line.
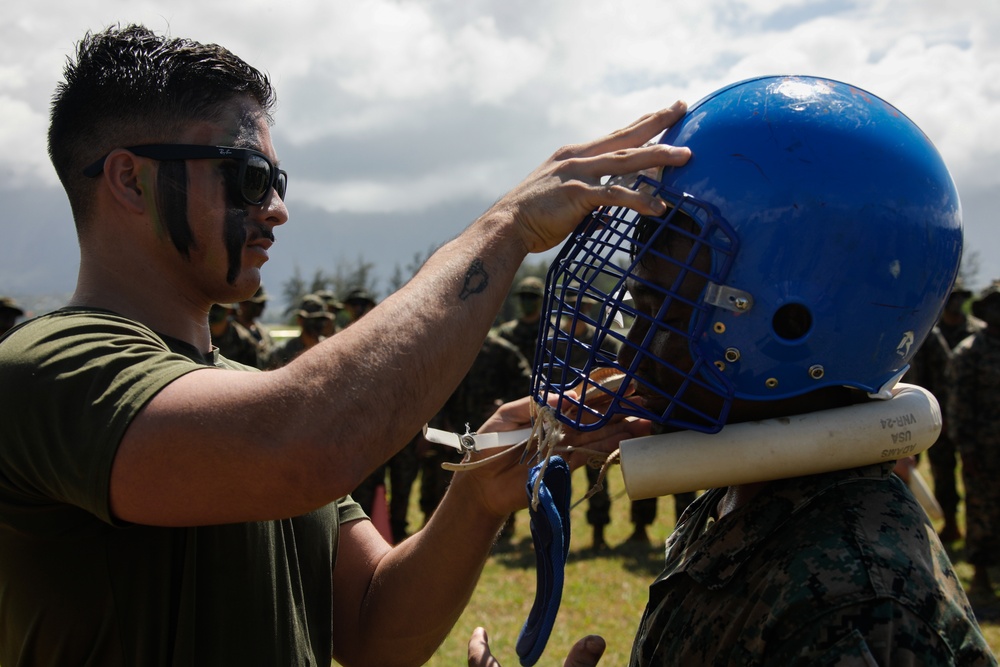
399	122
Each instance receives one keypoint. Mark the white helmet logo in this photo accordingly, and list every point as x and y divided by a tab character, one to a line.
904	346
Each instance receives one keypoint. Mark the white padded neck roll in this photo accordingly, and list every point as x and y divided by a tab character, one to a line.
760	451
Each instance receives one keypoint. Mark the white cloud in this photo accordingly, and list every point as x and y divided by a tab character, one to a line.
532	75
22	134
494	67
421	192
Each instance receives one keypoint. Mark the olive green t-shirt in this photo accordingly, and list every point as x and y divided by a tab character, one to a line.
78	587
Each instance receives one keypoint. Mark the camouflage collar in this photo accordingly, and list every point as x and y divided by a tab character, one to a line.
711	552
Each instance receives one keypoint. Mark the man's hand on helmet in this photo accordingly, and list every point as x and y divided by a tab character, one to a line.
553	199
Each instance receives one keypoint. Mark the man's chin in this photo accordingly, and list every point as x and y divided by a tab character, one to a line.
245	285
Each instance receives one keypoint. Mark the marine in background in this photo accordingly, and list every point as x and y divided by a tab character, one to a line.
313	320
973	411
499	374
234	341
248	314
523	330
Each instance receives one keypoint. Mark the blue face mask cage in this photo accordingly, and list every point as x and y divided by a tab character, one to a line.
587	314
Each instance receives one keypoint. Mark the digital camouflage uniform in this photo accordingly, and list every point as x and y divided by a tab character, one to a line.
285	352
237	344
523	335
247	314
833	569
974	422
954	335
314	320
402	473
499	374
265	344
928	369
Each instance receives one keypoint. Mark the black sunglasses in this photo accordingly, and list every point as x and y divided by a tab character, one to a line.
256	177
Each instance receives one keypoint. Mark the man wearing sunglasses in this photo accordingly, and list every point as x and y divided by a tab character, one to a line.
160	505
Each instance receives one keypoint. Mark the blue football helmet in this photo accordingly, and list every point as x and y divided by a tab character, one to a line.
810	241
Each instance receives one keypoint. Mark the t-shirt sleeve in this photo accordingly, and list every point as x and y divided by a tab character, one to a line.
70	385
350	510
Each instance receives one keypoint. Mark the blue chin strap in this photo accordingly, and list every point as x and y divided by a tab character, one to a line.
550	534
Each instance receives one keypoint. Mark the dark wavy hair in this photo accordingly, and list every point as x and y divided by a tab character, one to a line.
130	86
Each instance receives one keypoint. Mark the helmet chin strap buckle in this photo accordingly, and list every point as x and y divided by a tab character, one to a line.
907	423
475	442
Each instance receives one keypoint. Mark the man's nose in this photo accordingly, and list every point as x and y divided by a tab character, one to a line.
273	209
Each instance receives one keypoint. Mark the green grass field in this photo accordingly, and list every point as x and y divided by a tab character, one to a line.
604	593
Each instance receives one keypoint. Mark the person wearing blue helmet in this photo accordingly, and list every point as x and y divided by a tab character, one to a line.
811	242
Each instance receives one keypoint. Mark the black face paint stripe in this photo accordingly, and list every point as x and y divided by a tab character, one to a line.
172	200
234	235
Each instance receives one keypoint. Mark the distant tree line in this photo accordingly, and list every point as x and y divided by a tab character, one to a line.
360	273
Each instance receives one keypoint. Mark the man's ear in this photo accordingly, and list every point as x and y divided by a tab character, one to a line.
130	180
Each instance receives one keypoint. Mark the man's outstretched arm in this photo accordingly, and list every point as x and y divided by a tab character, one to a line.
219	446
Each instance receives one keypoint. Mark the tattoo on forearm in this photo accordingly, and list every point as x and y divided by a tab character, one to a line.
476	280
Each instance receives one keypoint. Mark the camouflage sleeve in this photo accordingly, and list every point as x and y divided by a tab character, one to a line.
503	330
962	406
935	356
515	378
880	633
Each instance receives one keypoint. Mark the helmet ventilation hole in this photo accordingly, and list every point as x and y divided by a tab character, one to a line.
792	322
